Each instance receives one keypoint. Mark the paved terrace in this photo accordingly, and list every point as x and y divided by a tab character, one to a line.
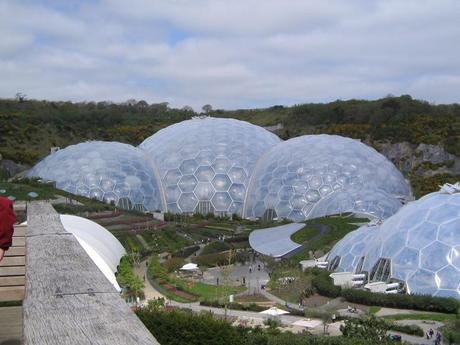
67	299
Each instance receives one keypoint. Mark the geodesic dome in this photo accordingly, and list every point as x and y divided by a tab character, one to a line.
419	245
348	254
107	171
205	163
317	175
422	241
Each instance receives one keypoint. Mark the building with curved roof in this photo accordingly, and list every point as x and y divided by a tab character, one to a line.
107	171
317	175
205	163
101	246
418	246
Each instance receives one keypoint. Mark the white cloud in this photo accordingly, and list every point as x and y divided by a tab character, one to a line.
231	54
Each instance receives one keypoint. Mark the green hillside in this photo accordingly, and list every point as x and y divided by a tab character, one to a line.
29	128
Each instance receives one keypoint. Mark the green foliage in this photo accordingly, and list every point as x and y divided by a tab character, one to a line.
173	264
216	247
236	306
180	327
324	285
402	301
368	327
335	227
424	185
186	252
408	329
127	278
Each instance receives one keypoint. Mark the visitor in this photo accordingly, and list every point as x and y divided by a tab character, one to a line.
431	332
7	220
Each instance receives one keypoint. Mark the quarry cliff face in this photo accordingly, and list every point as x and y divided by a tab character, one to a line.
422	159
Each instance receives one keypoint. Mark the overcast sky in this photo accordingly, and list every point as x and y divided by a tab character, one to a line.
230	53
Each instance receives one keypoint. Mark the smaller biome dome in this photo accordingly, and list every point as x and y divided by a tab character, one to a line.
100	245
205	163
422	241
107	171
317	175
419	246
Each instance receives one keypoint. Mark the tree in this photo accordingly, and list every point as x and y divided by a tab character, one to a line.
368	327
207	108
20	97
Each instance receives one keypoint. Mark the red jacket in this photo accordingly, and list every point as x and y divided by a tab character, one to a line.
7	220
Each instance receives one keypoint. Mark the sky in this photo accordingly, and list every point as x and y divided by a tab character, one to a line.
230	53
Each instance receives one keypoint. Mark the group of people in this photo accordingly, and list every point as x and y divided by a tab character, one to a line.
437	339
7	220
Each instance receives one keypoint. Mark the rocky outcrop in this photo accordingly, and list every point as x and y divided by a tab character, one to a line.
11	168
423	159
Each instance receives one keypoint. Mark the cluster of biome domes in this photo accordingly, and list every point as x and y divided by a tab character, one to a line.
226	166
416	250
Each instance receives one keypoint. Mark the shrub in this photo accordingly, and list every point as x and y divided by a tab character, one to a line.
324	285
402	301
186	252
408	329
173	264
216	247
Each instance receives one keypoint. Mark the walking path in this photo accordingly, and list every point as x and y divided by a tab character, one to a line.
149	291
255	318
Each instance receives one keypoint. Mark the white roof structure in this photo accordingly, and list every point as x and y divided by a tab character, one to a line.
189	267
276	241
274	311
101	246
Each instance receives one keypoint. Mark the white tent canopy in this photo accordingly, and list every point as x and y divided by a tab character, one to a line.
274	311
189	267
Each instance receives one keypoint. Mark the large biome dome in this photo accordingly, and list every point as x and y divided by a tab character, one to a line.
107	171
419	245
205	163
317	175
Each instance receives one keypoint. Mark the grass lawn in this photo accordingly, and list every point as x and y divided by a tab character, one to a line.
213	292
425	316
374	309
290	292
19	191
337	228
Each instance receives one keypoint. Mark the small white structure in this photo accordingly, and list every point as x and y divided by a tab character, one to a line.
347	279
189	267
101	246
274	311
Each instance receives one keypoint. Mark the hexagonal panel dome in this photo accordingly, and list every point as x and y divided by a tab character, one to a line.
318	175
107	171
350	249
422	243
210	159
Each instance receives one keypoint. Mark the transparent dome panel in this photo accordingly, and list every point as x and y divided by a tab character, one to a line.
326	174
220	155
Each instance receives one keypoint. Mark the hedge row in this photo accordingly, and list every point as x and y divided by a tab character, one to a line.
237	306
323	284
407	329
185	252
